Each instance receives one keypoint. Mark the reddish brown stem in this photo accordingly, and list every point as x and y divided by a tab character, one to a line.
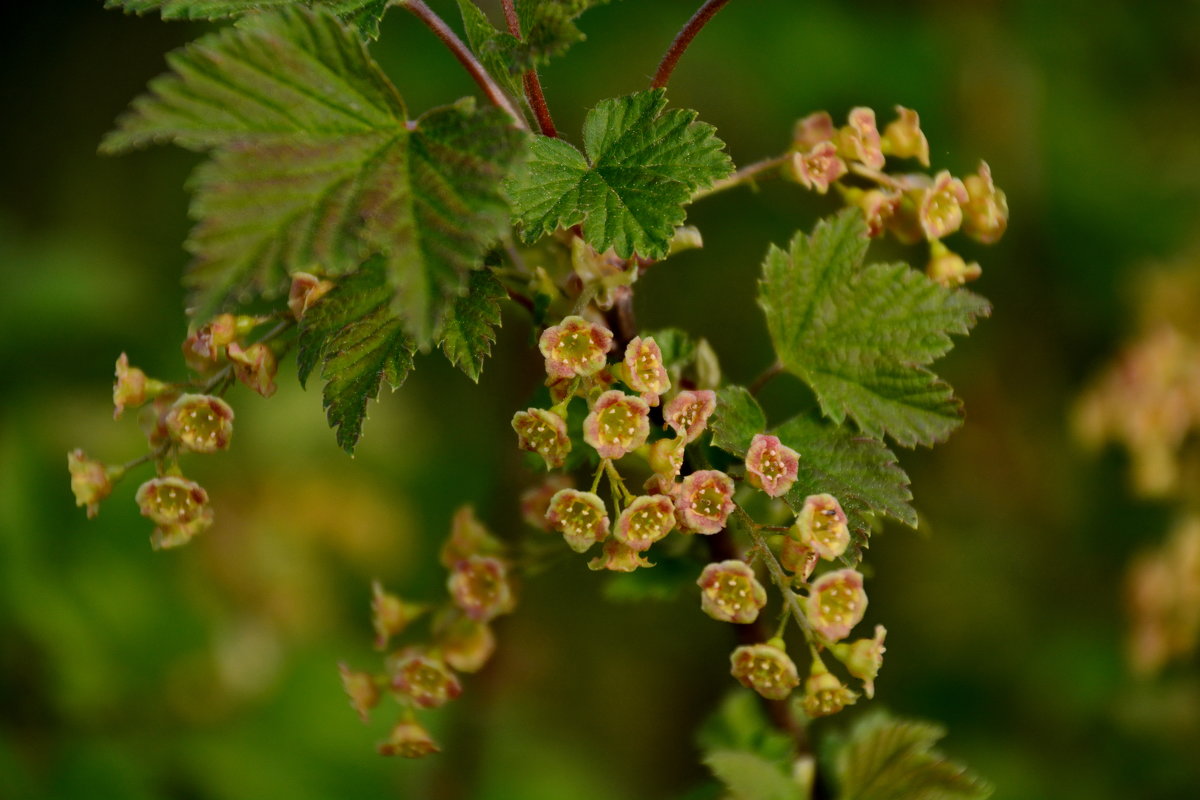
530	80
683	39
465	57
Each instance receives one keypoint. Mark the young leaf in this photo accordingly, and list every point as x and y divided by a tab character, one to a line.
315	164
356	338
860	471
749	776
548	29
468	329
893	759
861	336
642	166
492	47
362	14
737	418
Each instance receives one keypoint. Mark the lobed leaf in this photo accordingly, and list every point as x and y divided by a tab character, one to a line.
749	776
364	15
894	759
353	334
468	329
642	166
862	336
737	418
316	168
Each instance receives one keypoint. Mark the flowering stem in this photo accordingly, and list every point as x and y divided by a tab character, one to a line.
778	576
221	380
683	39
465	57
746	174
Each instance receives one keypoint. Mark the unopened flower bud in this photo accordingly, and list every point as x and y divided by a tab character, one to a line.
424	679
204	348
644	369
618	557
479	586
580	516
729	592
618	424
863	658
904	138
822	525
771	465
688	412
985	215
408	740
255	366
836	603
705	501
544	433
305	290
201	423
645	521
765	668
575	347
362	689
91	481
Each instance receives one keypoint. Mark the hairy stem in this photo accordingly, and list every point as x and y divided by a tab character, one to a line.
746	174
465	57
682	40
530	80
780	578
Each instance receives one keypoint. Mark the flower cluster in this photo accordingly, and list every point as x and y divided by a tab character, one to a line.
622	397
423	673
187	417
913	207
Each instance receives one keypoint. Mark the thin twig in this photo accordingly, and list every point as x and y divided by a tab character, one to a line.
530	80
744	175
465	57
682	40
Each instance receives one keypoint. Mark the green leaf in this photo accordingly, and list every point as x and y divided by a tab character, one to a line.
468	329
362	14
862	336
740	723
629	192
893	759
547	29
736	419
492	47
358	341
749	776
315	167
860	471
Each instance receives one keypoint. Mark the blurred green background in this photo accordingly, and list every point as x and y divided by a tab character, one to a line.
209	672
